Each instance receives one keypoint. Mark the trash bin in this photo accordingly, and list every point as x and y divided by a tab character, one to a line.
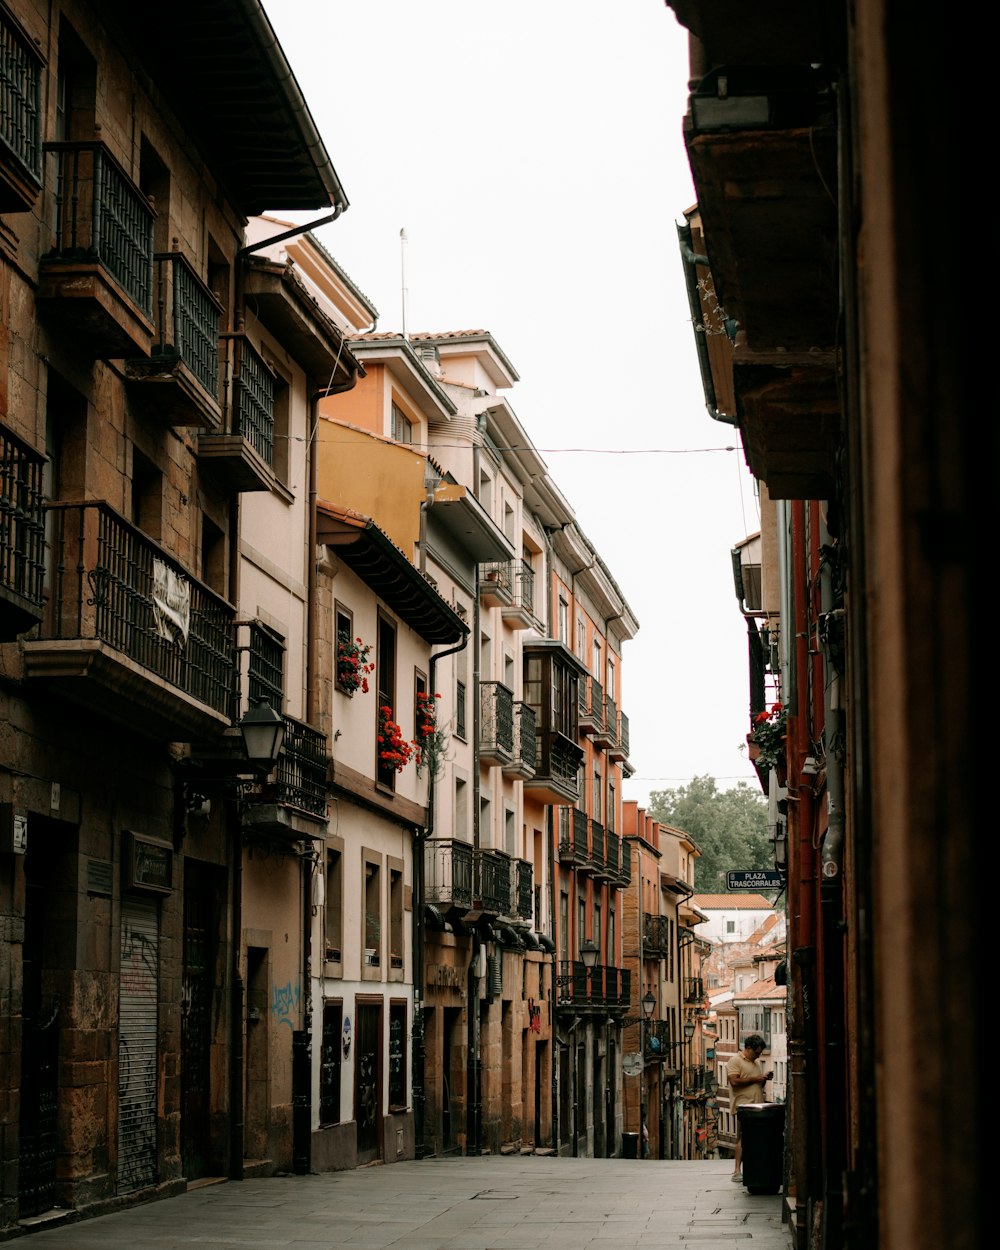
630	1145
762	1131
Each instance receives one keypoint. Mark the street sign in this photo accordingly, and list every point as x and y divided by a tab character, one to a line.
760	879
632	1064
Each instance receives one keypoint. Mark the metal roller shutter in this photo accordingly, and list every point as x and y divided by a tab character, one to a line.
138	996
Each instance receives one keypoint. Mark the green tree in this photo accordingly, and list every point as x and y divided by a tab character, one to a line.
729	827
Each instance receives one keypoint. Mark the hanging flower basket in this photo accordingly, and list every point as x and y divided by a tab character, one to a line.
393	750
769	736
353	664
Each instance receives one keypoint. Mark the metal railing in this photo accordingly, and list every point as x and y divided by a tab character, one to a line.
625	869
102	216
573	839
610	720
108	581
449	872
20	98
492	882
557	757
524	735
694	990
591	702
524	587
261	656
597	844
613	853
22	518
300	774
524	889
186	319
496	709
623	737
249	388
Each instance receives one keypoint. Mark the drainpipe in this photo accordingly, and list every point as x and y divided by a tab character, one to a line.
420	836
237	1006
473	1065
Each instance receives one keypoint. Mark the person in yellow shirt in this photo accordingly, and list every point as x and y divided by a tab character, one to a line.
747	1079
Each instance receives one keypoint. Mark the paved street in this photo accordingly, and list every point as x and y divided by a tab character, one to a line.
495	1203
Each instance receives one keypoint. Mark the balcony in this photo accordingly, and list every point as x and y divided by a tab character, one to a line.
699	1082
612	856
519	613
496	723
242	454
620	748
448	865
597	860
129	633
655	935
557	769
591	705
491	884
296	788
20	112
656	1044
625	868
179	382
496	588
96	283
606	733
523	890
522	763
574	848
22	536
601	989
694	990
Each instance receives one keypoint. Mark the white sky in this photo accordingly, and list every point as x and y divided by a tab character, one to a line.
532	151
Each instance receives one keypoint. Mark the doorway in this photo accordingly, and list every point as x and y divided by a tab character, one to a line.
368	1081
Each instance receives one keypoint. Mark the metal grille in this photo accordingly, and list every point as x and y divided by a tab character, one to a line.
253	400
493	890
525	893
137	1019
20	79
300	774
187	319
524	735
265	661
497	711
101	215
22	529
449	872
97	551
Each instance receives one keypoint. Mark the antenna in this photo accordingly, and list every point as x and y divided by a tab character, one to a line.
402	273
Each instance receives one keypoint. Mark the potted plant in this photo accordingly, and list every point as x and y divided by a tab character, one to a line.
430	741
768	736
393	750
353	664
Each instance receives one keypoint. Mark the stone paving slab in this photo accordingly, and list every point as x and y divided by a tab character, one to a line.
516	1202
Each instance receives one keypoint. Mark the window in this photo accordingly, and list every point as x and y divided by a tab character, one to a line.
610	683
581	638
213	555
612	804
485	822
485	492
460	731
597	801
396	916
154	183
147	495
581	923
397	1056
329	1063
76	88
563	621
461	808
612	949
372	926
402	426
730	926
281	454
334	904
563	925
509	832
596	666
508	520
344	629
598	931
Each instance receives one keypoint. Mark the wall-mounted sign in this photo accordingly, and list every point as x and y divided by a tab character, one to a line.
757	879
632	1064
146	864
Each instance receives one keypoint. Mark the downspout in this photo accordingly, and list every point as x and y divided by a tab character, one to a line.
473	1076
237	999
420	836
553	1027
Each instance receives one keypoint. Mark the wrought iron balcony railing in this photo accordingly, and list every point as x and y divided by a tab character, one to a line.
608	732
186	318
613	854
524	587
261	658
110	583
20	113
625	870
573	836
623	736
604	986
524	892
597	835
300	774
653	935
523	760
496	726
694	990
591	705
492	883
448	865
22	527
249	395
101	216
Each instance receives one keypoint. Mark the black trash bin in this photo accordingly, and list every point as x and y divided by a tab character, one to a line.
630	1145
762	1131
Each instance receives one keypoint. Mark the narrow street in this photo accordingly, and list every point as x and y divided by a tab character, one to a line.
493	1203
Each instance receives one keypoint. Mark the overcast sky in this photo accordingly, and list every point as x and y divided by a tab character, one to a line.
532	151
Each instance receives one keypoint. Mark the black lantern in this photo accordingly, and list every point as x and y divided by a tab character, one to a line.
263	731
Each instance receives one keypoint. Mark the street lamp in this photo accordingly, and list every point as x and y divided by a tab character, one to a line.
263	731
589	953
